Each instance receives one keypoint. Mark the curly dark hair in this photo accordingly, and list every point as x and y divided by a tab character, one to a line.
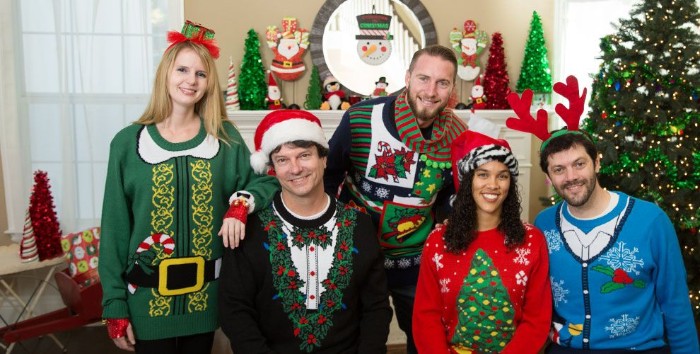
462	225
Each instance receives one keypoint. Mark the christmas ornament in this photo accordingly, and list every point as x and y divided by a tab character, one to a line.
380	87
478	99
468	44
232	103
27	250
274	95
288	46
373	42
43	216
496	81
534	72
253	88
334	98
314	94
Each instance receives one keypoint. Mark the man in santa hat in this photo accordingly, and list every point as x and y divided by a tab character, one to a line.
311	275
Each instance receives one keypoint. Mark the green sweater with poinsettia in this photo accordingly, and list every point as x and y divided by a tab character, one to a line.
164	202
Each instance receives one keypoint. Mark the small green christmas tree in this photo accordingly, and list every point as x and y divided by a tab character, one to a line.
314	95
252	85
535	73
485	319
496	80
644	117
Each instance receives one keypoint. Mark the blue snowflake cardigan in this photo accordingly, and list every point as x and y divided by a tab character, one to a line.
618	281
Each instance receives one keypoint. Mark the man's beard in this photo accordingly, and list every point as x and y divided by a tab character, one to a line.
589	186
425	114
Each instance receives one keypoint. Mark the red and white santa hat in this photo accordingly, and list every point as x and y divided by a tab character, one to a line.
271	79
280	127
471	150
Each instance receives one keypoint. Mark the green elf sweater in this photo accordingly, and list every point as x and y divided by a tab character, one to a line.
163	207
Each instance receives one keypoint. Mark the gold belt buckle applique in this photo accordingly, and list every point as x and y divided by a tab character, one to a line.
165	265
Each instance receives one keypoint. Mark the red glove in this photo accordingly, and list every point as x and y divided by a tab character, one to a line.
116	327
238	209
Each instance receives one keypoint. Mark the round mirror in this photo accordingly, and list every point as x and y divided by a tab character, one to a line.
361	41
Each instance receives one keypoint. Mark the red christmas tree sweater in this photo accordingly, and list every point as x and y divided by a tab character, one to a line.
487	299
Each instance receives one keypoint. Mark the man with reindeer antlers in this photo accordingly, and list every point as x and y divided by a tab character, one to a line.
618	279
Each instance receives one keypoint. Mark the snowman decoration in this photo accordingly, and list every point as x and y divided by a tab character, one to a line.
373	42
468	44
288	47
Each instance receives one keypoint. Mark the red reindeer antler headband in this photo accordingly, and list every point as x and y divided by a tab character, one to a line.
539	127
196	33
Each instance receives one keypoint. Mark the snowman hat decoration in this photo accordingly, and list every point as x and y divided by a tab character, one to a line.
382	80
374	26
280	127
471	150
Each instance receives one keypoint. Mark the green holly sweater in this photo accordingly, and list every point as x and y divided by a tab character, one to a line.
166	201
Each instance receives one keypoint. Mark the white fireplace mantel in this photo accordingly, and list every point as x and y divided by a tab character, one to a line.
520	143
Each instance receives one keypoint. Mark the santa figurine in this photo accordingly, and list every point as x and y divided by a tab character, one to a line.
334	97
288	47
380	87
478	99
274	95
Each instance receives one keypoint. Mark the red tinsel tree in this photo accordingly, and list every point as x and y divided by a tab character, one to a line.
44	221
496	79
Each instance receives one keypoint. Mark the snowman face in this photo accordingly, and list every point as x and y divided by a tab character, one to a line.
288	47
374	51
469	45
477	91
273	92
381	85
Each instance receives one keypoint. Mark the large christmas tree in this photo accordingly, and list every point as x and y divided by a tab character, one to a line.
644	116
252	85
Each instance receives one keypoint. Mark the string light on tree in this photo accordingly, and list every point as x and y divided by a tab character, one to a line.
644	114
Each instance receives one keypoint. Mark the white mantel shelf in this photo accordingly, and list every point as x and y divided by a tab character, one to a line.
520	143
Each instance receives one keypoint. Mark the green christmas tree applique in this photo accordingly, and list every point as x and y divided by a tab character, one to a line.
485	313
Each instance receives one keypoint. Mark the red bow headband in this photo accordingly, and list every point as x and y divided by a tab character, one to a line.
196	33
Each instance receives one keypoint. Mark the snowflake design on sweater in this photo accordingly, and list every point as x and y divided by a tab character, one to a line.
559	293
366	187
622	257
521	258
521	278
443	286
382	193
553	240
437	258
404	263
622	326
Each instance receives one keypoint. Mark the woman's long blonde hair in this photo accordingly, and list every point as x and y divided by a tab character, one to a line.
210	108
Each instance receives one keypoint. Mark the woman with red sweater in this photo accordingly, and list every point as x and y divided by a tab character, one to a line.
483	285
